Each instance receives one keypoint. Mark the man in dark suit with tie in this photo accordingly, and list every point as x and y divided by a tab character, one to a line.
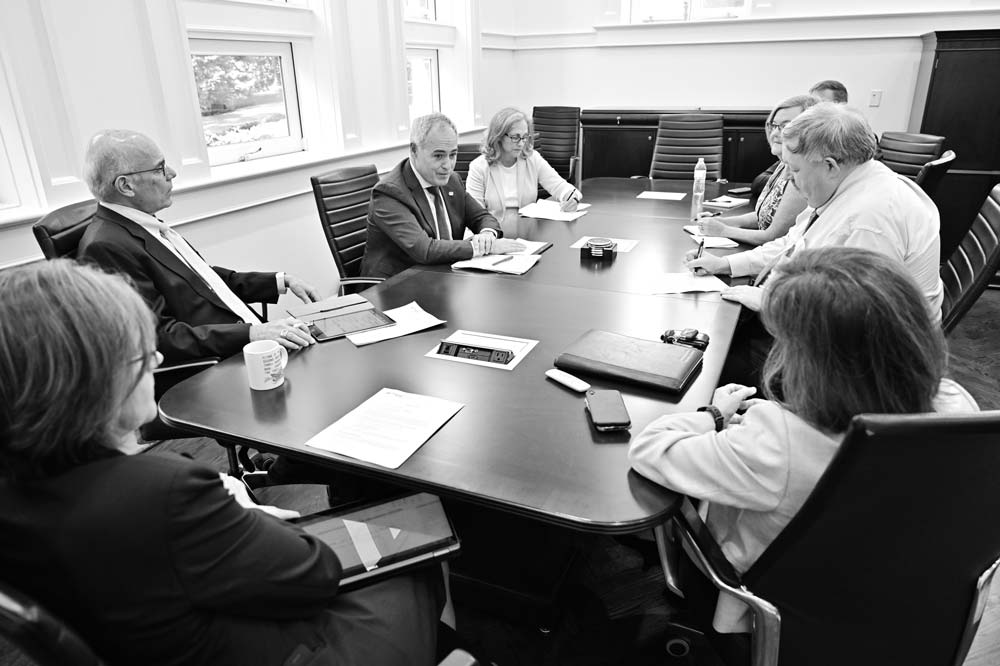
201	310
419	211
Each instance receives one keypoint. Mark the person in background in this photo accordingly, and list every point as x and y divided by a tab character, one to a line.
852	335
419	211
830	91
200	309
153	559
507	175
779	202
853	201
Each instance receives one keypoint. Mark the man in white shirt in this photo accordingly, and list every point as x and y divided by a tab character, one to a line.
419	211
853	201
201	310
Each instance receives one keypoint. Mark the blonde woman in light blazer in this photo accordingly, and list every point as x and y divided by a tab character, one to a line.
507	175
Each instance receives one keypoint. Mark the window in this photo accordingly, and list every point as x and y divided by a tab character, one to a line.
423	91
247	98
420	10
649	11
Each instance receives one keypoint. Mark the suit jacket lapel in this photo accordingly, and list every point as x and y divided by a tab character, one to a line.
163	256
420	198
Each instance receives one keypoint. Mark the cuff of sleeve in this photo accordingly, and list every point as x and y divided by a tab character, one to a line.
475	250
282	286
739	264
490	230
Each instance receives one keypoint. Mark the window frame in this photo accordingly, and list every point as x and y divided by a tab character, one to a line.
253	150
435	57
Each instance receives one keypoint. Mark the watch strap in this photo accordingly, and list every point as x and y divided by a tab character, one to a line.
720	422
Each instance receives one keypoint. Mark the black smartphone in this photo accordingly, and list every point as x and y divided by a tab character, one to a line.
607	410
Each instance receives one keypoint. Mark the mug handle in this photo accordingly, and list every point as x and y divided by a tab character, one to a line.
284	356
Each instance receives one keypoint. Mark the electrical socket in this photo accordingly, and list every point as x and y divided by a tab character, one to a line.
875	99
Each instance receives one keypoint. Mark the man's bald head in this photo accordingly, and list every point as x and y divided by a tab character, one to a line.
122	166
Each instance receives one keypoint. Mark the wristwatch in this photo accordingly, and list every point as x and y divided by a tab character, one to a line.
720	422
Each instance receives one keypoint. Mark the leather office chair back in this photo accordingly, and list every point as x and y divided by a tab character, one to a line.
931	174
466	153
973	264
557	137
906	153
883	563
59	232
681	138
40	635
342	197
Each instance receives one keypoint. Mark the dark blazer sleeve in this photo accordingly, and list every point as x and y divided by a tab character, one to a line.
475	217
242	561
394	212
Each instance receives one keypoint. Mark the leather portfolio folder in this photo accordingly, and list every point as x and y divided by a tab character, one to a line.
656	364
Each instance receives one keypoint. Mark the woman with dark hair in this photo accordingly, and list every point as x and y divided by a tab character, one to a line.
149	557
507	175
852	335
779	202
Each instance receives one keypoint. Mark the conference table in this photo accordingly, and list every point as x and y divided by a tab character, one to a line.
522	443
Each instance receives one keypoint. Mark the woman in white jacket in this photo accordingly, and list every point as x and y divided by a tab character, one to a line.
507	175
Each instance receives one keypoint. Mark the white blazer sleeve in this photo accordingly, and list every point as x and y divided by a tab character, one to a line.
553	183
475	183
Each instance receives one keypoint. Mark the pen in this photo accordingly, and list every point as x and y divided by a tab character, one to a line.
500	261
701	248
715	214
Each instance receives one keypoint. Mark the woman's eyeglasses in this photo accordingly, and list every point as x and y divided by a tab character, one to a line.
518	138
770	127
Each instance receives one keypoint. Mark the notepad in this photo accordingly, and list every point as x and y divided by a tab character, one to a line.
710	241
511	264
546	209
725	201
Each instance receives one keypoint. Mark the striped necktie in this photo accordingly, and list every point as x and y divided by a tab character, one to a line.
764	274
443	228
210	277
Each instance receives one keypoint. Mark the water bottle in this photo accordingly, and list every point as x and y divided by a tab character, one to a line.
698	192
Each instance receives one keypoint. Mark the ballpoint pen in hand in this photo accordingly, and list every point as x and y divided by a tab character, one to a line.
701	248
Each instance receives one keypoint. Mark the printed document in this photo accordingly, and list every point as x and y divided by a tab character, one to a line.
387	428
409	318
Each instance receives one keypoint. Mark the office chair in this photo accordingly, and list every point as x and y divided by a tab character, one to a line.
681	138
58	234
342	198
973	264
906	153
932	173
888	561
40	635
466	153
557	137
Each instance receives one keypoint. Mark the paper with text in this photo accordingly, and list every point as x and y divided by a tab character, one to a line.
710	241
546	209
409	318
387	428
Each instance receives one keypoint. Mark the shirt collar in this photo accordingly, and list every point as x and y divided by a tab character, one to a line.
857	175
420	179
148	222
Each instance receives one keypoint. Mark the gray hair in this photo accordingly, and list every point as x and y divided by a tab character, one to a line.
831	130
500	124
109	154
795	101
70	336
838	89
424	125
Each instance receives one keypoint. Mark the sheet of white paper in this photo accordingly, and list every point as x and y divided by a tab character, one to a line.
549	210
512	264
530	247
679	283
710	241
409	318
520	347
624	244
666	196
726	201
387	428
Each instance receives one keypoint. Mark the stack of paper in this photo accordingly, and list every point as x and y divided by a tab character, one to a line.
546	209
710	241
725	202
500	263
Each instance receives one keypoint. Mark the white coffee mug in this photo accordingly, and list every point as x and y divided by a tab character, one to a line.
265	361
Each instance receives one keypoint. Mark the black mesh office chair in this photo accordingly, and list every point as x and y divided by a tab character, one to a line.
932	173
889	560
342	198
466	153
557	137
906	153
40	635
973	264
681	138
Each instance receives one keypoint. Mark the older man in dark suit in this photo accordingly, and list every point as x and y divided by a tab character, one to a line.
201	310
419	211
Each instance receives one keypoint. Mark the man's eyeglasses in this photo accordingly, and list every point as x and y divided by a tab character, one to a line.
770	127
161	167
518	138
149	358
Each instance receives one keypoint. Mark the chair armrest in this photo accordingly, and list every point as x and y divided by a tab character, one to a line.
711	560
356	282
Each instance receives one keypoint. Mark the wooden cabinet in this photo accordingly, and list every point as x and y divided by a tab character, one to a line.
619	142
957	98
